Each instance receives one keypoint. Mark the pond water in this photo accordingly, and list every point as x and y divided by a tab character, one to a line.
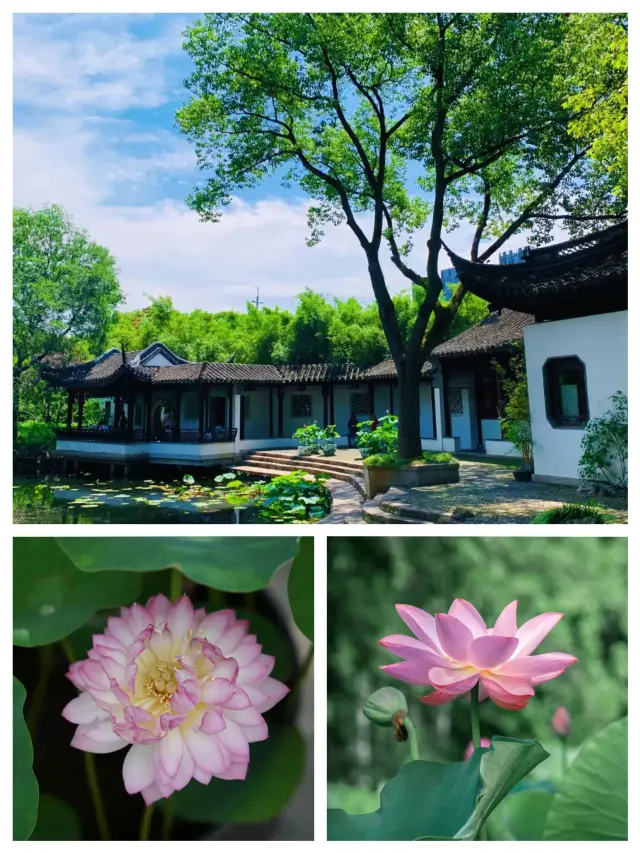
58	500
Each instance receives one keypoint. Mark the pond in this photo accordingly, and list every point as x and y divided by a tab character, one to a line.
58	500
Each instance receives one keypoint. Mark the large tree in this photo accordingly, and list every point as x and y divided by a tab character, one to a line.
65	291
394	123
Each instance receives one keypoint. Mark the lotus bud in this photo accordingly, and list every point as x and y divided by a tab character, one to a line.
561	722
384	705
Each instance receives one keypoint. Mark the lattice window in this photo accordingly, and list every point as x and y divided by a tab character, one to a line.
301	406
360	404
455	401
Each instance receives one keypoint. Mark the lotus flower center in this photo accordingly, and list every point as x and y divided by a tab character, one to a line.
161	683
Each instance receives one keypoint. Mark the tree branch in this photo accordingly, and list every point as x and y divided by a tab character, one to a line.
530	208
482	222
396	257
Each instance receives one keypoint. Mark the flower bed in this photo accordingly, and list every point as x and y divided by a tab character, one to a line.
382	471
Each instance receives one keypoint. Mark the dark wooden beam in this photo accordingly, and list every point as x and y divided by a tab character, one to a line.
390	398
280	412
433	411
270	411
70	400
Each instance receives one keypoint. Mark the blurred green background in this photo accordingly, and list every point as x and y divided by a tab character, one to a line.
585	578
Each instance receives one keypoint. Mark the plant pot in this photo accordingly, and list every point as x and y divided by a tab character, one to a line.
60	768
522	476
378	480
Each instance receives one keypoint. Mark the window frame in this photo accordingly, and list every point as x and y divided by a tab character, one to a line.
310	413
552	396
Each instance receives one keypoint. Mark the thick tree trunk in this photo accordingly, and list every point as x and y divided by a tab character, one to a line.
409	444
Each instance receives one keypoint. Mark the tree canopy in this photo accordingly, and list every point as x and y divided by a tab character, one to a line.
392	123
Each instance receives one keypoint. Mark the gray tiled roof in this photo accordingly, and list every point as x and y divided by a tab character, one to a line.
494	334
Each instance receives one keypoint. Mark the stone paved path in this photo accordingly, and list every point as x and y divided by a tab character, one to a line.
491	494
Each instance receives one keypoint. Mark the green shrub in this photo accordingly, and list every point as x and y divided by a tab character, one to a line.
573	513
317	439
382	440
36	436
605	445
390	460
516	423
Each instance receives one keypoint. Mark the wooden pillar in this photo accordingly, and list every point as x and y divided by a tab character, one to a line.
433	411
202	401
242	416
147	414
445	404
372	398
280	412
478	386
390	398
230	407
70	399
270	412
332	413
178	415
80	408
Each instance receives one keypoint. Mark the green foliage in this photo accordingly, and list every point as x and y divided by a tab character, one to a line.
36	436
591	803
383	439
57	821
605	445
295	498
231	564
52	596
587	511
300	587
389	460
516	423
521	816
65	289
584	578
431	801
25	784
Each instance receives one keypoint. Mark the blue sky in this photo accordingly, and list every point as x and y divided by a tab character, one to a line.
94	103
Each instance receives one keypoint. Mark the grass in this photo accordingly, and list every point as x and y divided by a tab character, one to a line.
587	511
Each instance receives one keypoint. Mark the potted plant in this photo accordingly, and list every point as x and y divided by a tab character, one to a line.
516	422
308	438
327	442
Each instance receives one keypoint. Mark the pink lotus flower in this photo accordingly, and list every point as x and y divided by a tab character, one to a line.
561	722
484	741
454	651
185	689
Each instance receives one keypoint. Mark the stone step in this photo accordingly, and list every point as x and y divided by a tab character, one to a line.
376	515
279	468
333	461
295	463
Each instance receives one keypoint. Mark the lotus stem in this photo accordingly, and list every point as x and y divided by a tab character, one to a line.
413	739
167	820
475	717
145	825
176	585
46	662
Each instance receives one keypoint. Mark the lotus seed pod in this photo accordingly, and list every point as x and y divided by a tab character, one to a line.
381	707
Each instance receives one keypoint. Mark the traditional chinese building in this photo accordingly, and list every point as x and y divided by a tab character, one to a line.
570	302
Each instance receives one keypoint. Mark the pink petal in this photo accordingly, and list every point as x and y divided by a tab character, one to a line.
412	673
235	741
212	723
506	625
502	698
170	752
83	710
421	624
438	697
516	687
537	668
455	638
97	737
237	770
205	751
533	632
159	607
239	701
466	613
250	721
232	638
214	625
152	793
218	691
487	652
273	689
247	651
180	617
184	773
456	681
138	618
256	671
137	770
412	650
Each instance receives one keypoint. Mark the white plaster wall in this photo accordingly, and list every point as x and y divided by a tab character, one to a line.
160	451
101	449
158	360
341	407
462	426
381	399
601	343
500	448
491	430
246	445
291	424
256	425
